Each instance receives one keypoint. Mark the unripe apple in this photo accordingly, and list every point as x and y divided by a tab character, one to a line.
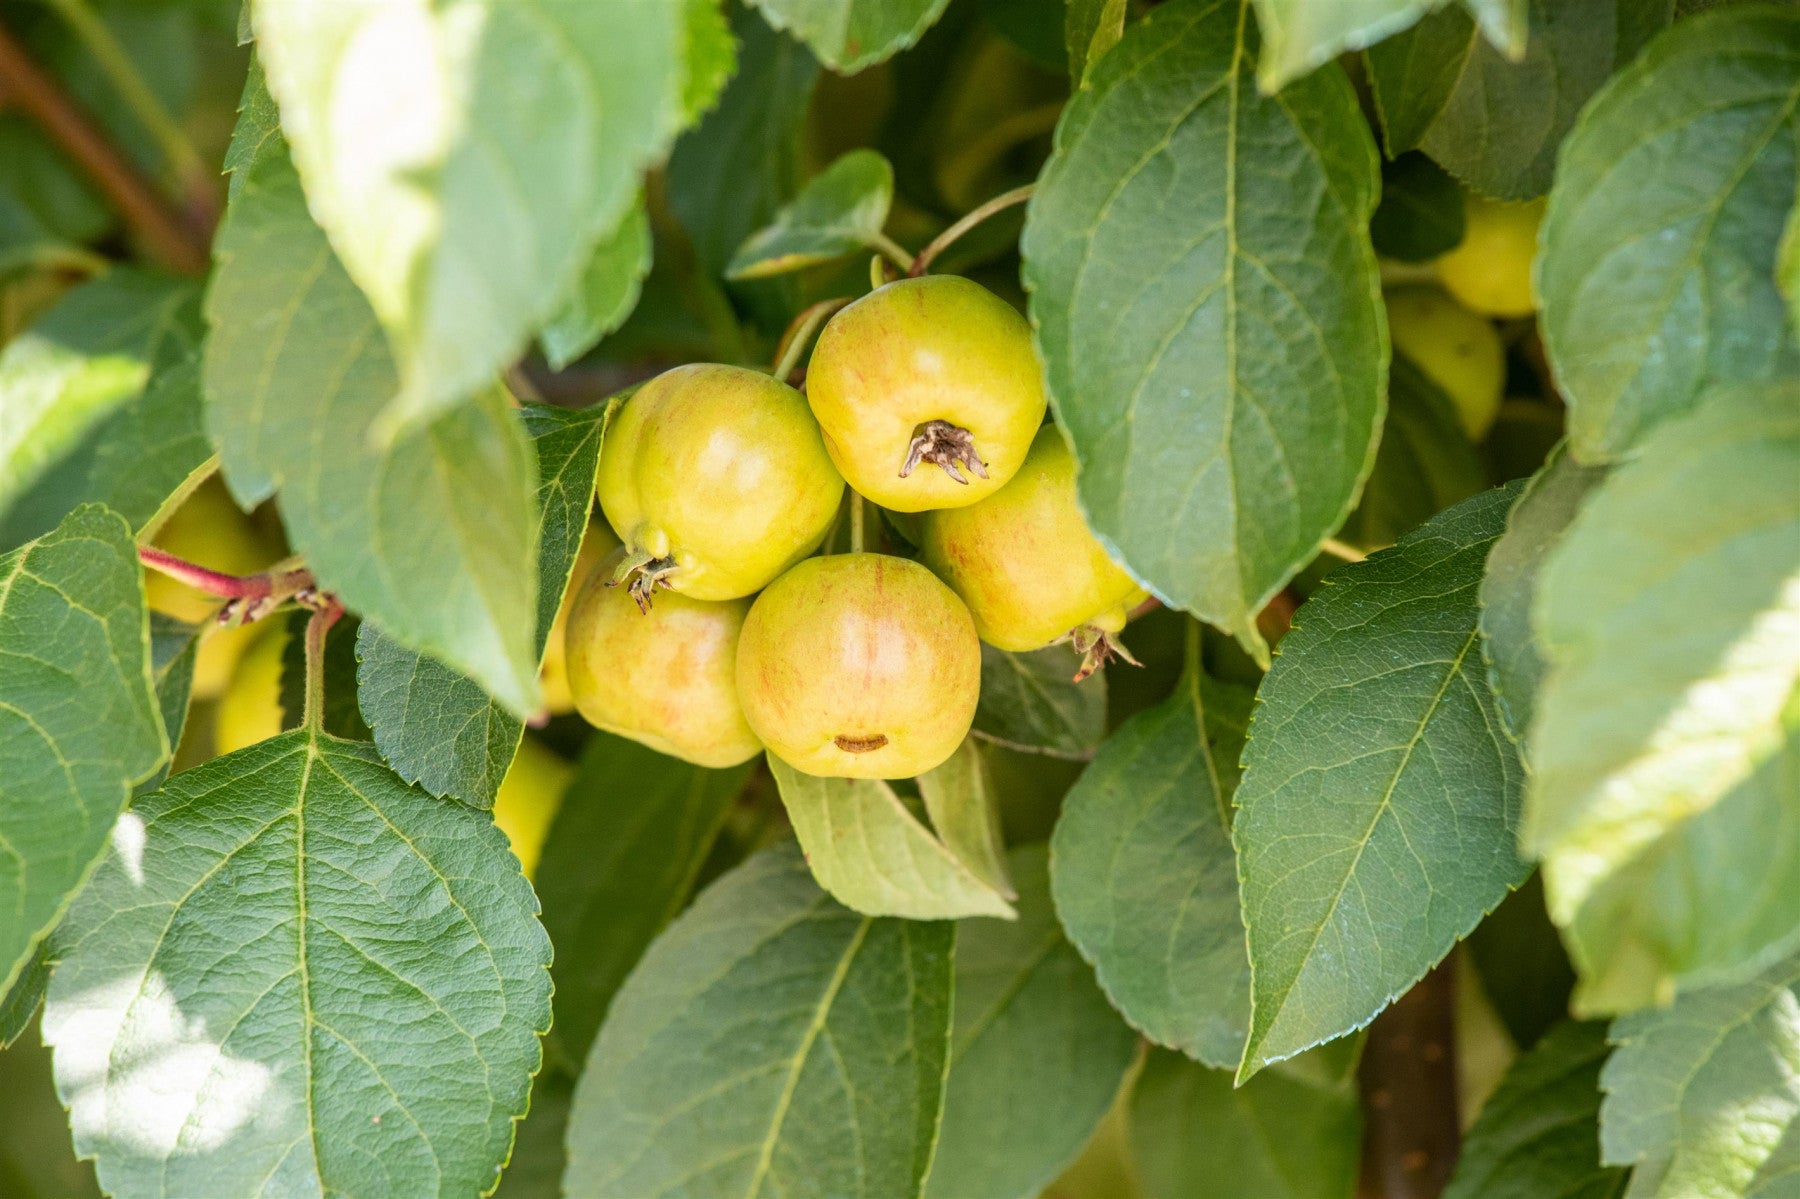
928	391
665	677
529	797
1026	563
717	480
1490	270
250	706
553	675
859	666
1458	350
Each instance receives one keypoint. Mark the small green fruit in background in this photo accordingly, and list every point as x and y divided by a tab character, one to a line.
529	797
665	677
1490	270
250	706
859	666
928	392
553	674
1027	565
717	480
1457	349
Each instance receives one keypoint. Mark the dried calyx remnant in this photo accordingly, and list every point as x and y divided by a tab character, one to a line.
645	574
859	745
948	446
1097	648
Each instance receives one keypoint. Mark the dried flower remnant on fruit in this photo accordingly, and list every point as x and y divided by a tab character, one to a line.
1096	647
642	575
945	445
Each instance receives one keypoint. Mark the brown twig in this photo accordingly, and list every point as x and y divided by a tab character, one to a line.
164	234
1408	1079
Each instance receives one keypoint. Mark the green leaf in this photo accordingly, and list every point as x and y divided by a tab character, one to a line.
430	535
1036	1054
1221	391
47	210
79	725
1787	265
20	1004
1029	702
874	856
1666	740
538	1158
840	211
731	173
1425	463
965	814
1523	969
620	861
174	647
848	35
1702	1097
770	1042
711	57
604	294
1421	212
1412	76
1144	878
36	1158
1303	35
1091	28
467	211
1290	1133
295	974
1533	528
340	716
79	364
1539	1131
438	727
1379	809
1502	124
1657	270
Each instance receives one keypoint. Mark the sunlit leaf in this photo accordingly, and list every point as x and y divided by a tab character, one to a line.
840	210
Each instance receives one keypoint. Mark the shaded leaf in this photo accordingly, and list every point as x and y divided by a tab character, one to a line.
1379	810
538	1158
620	861
20	1004
1030	702
965	814
336	980
438	727
1421	211
174	647
342	717
1702	1097
36	1159
849	35
770	1039
1412	76
1523	969
1533	528
430	537
1656	275
1036	1053
65	380
1144	877
840	210
874	856
1222	394
1661	799
1091	28
464	205
1502	124
79	726
1425	463
1539	1132
1290	1133
1787	265
1305	34
605	292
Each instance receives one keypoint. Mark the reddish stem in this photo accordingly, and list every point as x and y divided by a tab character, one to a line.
252	596
327	608
1408	1081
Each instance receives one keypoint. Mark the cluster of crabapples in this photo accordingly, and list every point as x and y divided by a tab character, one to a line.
713	632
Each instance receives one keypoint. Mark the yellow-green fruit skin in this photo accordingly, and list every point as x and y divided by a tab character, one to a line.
553	673
1490	270
919	350
864	650
249	708
1024	560
1457	349
528	799
724	470
666	677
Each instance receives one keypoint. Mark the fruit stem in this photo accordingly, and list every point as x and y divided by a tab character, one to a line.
856	523
326	608
800	331
251	597
1338	549
893	249
974	217
878	273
